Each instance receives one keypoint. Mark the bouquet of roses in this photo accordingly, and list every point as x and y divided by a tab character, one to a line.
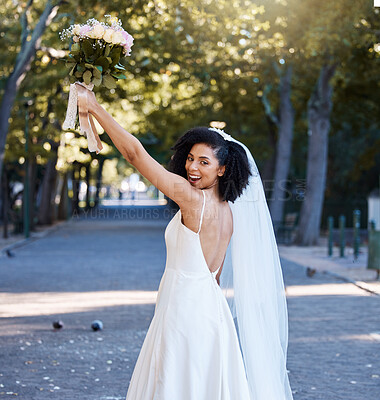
94	59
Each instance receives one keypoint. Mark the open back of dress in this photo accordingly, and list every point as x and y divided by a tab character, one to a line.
191	350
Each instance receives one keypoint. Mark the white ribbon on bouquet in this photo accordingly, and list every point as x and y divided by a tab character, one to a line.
86	123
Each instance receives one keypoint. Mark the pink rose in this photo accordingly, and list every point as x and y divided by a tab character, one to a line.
128	39
127	42
84	29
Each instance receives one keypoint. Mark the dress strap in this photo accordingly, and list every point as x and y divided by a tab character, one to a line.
203	208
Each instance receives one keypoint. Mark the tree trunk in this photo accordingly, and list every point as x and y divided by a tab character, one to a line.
76	186
21	67
284	148
63	206
88	176
267	172
45	211
5	204
99	175
319	109
32	191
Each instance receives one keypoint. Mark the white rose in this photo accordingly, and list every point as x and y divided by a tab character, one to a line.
98	32
91	34
76	29
117	37
107	36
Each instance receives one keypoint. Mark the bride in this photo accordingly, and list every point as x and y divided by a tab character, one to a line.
220	326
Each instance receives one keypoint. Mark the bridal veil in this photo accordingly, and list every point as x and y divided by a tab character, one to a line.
252	282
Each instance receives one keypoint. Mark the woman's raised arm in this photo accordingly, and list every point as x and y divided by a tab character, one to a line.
172	185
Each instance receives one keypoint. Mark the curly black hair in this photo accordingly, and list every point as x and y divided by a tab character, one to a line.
228	153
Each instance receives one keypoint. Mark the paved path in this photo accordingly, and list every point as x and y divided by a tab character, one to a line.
108	268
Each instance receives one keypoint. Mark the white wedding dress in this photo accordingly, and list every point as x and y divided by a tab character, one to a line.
191	350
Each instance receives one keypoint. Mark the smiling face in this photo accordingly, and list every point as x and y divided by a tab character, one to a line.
202	166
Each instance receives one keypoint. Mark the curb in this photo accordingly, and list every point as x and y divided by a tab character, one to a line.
359	284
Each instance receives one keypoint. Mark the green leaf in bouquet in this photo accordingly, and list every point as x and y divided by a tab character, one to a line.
87	77
109	82
75	48
87	48
116	51
109	59
107	50
120	67
77	58
115	55
99	68
119	76
103	62
97	81
78	74
80	68
96	73
98	51
72	71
